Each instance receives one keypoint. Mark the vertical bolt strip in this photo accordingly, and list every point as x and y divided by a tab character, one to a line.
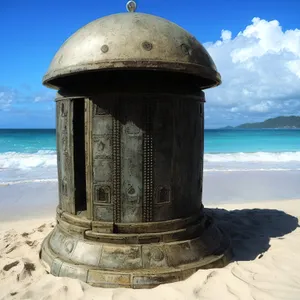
116	145
148	166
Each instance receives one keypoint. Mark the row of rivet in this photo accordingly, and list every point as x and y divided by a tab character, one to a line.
149	46
148	166
116	144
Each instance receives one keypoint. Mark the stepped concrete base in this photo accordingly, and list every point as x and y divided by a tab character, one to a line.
133	257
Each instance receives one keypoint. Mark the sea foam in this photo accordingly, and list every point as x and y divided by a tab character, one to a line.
48	159
277	157
25	161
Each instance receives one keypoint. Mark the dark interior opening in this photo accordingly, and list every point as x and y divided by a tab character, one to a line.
79	155
134	81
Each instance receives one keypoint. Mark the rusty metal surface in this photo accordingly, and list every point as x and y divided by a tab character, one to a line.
132	41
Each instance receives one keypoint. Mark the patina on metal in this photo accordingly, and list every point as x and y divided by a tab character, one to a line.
130	126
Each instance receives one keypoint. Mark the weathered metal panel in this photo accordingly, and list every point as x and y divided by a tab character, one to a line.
88	115
185	162
199	139
163	133
58	146
131	160
65	154
148	159
102	163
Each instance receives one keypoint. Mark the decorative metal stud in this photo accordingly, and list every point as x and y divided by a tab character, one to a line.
104	48
147	46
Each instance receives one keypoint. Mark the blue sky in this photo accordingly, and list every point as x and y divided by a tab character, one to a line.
255	44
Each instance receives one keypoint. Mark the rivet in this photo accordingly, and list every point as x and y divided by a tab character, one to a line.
104	48
157	254
147	46
185	49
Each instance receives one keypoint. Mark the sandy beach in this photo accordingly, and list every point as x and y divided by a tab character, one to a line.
265	237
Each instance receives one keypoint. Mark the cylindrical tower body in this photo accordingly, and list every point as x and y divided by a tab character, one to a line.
130	155
130	158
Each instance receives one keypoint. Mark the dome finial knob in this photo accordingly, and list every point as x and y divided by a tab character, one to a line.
131	6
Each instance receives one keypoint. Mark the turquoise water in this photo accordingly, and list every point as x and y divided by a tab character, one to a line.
31	154
267	140
27	140
216	140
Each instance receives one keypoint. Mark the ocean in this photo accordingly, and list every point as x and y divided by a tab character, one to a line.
30	155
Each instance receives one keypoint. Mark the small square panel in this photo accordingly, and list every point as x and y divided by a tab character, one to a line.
98	111
163	195
132	129
102	194
102	146
102	125
56	266
102	170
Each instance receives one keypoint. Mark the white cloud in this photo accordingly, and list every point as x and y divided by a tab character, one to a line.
294	66
38	99
6	98
226	35
9	95
44	96
260	69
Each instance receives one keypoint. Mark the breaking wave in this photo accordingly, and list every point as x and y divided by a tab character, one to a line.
25	161
240	161
263	157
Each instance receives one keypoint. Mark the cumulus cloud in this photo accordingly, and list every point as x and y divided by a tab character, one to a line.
226	35
260	69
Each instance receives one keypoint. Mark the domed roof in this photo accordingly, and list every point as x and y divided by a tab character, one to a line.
133	41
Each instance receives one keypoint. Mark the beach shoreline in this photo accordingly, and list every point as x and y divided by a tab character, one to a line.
25	200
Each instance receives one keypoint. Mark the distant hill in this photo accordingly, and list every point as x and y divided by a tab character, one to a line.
278	123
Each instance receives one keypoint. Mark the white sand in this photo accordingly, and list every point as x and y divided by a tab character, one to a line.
266	265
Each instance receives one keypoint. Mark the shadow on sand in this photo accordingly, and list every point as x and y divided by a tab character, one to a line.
250	230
